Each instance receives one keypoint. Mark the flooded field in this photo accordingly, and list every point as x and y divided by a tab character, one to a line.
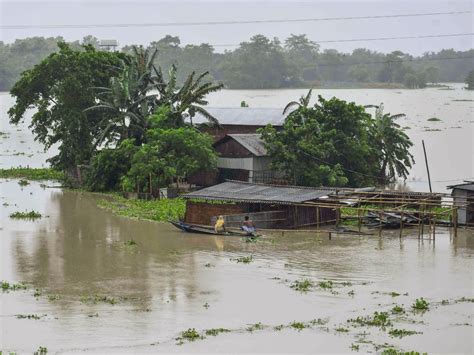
94	291
90	289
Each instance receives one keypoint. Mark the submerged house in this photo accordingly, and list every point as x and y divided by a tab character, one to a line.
269	206
463	198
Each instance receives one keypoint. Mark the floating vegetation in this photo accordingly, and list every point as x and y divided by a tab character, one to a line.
392	351
278	327
206	305
318	321
463	100
378	319
216	331
342	330
299	326
53	297
130	243
394	294
434	119
346	284
155	210
7	286
28	316
37	293
99	299
190	335
302	286
254	327
208	265
400	333
42	350
326	284
351	293
26	215
354	347
420	305
32	174
398	310
245	259
444	302
465	299
93	315
23	182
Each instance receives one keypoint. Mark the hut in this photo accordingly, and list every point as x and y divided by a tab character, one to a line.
463	199
270	206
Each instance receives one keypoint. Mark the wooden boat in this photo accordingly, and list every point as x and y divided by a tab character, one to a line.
191	228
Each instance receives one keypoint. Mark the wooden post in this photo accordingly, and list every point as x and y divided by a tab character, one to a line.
434	228
401	225
380	224
338	216
455	217
329	235
317	218
426	162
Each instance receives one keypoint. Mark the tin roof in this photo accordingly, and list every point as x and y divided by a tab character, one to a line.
252	142
468	186
247	116
257	193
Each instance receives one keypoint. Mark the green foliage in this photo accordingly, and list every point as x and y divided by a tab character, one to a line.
31	173
59	90
26	215
94	299
302	286
256	326
155	210
28	316
420	305
299	326
23	182
400	333
244	259
392	351
378	319
433	119
216	331
190	334
7	286
42	350
326	284
398	309
326	144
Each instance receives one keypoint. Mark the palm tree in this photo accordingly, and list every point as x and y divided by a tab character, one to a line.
393	145
303	102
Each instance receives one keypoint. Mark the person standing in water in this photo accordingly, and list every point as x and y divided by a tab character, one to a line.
219	227
248	225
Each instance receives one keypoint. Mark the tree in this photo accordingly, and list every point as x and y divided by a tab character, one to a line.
171	153
59	90
325	144
432	74
470	80
359	73
392	145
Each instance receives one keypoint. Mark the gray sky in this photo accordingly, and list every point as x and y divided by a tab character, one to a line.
83	12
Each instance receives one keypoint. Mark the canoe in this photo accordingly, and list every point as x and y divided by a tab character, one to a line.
191	228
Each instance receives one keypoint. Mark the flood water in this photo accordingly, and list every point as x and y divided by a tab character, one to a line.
171	281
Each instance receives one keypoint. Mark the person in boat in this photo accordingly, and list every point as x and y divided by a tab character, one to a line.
248	225
219	227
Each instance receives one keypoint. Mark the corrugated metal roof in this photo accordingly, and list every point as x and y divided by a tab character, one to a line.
469	186
252	142
244	116
257	193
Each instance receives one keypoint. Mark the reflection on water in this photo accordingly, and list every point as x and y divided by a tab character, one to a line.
162	284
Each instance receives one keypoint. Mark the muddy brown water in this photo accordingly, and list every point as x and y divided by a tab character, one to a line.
163	284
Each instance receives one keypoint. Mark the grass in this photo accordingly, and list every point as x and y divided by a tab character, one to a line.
245	259
302	286
154	210
400	333
32	174
26	215
216	331
7	286
420	305
378	319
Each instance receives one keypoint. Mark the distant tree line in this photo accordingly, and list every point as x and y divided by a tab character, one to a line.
263	63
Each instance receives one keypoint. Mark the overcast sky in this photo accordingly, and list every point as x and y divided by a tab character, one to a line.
88	12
